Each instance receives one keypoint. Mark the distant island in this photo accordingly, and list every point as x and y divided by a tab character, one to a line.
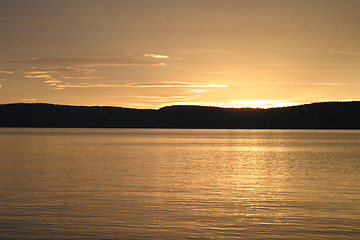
326	115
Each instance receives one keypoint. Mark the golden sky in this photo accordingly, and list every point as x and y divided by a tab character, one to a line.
153	53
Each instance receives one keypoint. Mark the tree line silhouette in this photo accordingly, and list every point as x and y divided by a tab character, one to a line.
327	115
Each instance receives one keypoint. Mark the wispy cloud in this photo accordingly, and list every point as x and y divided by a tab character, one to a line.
82	77
52	81
58	73
87	62
62	70
37	76
51	75
198	90
173	85
151	55
56	70
140	85
86	85
6	71
49	70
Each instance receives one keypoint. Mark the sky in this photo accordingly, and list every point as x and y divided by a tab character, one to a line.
155	53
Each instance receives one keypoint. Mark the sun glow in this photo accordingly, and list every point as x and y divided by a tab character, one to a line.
154	103
258	104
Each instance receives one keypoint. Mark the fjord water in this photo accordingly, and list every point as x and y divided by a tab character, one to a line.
179	184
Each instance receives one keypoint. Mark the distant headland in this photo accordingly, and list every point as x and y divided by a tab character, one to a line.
325	115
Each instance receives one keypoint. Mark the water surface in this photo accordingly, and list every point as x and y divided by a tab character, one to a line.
179	184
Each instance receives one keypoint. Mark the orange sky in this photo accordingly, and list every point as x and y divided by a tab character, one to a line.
152	53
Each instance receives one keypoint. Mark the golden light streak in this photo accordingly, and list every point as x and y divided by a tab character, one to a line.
52	81
258	104
175	84
155	55
37	76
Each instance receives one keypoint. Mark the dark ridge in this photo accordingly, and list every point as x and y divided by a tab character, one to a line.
189	107
326	115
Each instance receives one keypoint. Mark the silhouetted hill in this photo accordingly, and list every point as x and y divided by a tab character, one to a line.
329	115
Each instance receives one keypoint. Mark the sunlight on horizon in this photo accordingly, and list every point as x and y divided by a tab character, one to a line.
256	104
260	104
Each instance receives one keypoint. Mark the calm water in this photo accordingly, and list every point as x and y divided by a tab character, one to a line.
179	184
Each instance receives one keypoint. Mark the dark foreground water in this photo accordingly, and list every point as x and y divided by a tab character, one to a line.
179	184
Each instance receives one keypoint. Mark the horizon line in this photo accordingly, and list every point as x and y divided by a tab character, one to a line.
180	105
